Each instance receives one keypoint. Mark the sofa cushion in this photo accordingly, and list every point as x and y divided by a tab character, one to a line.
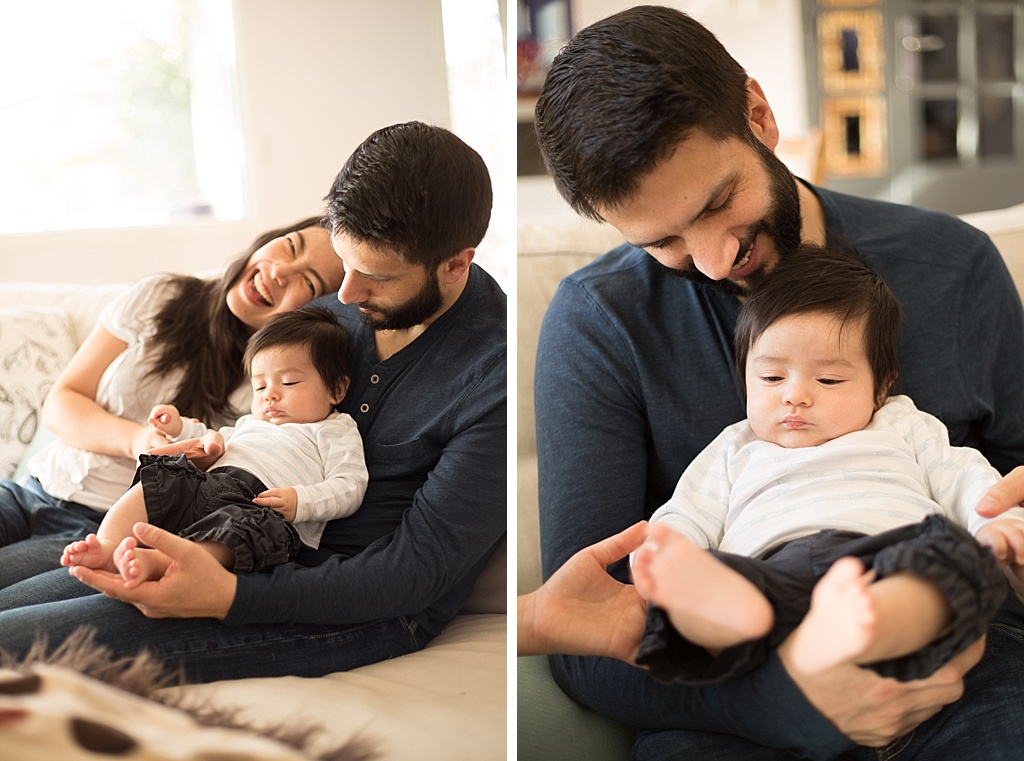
1006	228
35	344
490	593
447	701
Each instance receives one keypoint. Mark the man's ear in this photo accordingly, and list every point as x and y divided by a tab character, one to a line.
455	267
760	115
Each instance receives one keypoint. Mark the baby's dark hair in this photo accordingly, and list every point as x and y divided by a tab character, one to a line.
834	281
315	328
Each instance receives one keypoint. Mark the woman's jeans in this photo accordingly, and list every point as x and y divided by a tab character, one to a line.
206	649
35	528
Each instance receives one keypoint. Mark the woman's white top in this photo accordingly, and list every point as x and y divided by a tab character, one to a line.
98	480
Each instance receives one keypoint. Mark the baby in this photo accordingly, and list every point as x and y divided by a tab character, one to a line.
293	460
829	475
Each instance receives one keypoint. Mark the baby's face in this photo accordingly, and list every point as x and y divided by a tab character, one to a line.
286	388
809	382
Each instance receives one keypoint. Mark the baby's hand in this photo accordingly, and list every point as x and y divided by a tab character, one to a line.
1006	538
283	501
166	419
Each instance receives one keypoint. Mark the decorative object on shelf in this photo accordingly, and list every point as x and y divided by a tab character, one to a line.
854	128
851	69
544	26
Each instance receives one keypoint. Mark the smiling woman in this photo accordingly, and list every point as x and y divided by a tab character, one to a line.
285	273
168	339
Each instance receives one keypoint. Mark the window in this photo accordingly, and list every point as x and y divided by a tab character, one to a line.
121	113
480	107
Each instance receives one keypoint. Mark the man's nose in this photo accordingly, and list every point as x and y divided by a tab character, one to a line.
352	290
714	254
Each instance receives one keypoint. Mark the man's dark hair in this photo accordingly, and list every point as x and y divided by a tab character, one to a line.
833	281
624	92
314	328
416	190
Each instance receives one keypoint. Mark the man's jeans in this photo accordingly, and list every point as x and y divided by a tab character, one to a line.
206	649
986	723
35	528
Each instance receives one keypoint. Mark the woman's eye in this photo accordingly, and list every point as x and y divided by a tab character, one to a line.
312	287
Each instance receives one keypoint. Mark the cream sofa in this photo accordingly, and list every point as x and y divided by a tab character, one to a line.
551	726
444	703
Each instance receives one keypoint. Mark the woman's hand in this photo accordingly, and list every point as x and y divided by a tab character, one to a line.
148	438
202	452
195	585
581	609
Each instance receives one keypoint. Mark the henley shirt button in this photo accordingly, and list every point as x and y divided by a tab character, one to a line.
374	378
364	407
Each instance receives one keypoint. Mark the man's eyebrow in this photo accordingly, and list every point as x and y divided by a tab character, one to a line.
711	197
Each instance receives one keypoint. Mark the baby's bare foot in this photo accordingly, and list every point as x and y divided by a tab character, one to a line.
841	622
138	564
89	552
709	603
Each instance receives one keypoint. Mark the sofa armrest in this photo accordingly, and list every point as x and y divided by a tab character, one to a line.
554	727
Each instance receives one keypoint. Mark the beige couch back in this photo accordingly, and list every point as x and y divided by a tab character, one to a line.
551	249
548	251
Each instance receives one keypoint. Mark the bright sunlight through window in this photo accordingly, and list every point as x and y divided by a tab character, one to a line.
479	99
118	113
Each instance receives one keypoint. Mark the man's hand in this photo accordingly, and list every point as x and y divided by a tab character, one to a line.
581	610
1006	493
872	710
194	586
203	452
284	501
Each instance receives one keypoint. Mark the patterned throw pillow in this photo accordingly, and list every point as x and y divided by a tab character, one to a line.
35	345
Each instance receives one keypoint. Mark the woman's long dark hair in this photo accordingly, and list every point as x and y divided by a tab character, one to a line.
196	332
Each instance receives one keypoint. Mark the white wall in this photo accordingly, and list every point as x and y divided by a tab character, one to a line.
764	36
316	77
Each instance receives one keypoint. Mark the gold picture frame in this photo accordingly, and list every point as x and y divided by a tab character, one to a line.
851	50
854	129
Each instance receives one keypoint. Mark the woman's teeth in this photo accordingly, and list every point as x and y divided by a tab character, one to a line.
261	289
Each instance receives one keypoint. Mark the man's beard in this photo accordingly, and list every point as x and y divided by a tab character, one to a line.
781	225
413	312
